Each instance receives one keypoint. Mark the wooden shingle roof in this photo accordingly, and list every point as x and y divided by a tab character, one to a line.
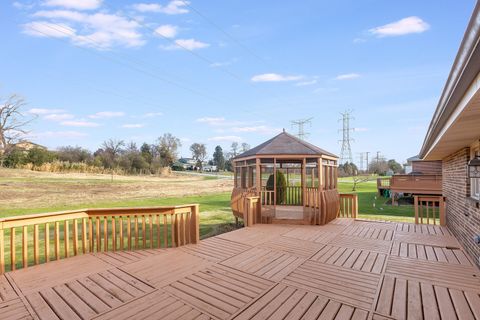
285	144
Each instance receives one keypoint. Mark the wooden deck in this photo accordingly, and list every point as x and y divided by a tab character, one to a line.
348	269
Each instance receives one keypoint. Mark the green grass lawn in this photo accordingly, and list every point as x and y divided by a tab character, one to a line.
372	206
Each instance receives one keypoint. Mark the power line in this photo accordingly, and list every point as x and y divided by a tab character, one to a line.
346	151
228	35
129	65
192	52
300	123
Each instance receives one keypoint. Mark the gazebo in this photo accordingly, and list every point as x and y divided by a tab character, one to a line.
285	180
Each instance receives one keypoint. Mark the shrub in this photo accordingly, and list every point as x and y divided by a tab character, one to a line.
281	186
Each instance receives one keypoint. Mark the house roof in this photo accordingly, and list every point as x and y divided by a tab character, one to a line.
454	124
285	144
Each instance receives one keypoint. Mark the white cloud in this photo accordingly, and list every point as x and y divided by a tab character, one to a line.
347	76
41	111
74	4
22	6
59	134
167	31
133	126
59	116
226	138
47	29
223	64
401	27
100	30
211	120
306	83
173	7
257	129
85	124
189	44
107	114
274	77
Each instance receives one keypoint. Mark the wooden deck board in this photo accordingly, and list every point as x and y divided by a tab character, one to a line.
348	269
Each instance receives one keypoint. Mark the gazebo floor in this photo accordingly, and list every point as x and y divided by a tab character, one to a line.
345	270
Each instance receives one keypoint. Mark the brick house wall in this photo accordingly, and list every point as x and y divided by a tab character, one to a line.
463	216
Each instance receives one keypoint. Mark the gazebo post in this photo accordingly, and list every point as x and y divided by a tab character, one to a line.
258	176
275	186
304	181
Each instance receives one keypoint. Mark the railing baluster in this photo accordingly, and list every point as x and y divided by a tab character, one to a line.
25	246
97	234
36	258
47	242
2	252
114	234
84	235
172	227
66	237
150	220
12	249
105	234
129	232
56	237
158	231
120	229
144	232
165	231
75	237
136	232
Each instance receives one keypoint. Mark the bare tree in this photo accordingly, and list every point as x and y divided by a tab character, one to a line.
245	147
359	179
234	149
113	147
13	121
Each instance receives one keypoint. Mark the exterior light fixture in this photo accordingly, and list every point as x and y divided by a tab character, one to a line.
474	168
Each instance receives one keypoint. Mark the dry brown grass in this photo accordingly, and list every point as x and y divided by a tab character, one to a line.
29	189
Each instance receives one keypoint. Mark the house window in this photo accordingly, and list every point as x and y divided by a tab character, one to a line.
475	188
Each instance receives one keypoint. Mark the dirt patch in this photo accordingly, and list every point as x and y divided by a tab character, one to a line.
28	189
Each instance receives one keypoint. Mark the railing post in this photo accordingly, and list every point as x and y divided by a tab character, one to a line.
441	205
416	208
355	206
195	224
2	249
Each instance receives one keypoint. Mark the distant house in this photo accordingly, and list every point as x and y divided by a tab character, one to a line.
210	168
453	138
187	163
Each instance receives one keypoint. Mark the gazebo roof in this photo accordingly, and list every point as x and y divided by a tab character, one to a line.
285	144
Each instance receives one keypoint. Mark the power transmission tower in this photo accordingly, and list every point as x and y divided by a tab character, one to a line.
361	157
367	153
346	152
301	127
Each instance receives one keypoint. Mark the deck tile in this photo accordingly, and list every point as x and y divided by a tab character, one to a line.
409	299
120	258
165	268
352	287
300	248
431	240
216	249
368	232
285	302
431	253
6	290
219	291
356	259
14	309
381	246
86	297
313	233
256	235
452	276
422	229
268	264
156	305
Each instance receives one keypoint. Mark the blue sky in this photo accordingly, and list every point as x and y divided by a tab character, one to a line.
237	70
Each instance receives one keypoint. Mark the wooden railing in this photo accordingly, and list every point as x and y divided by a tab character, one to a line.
383	182
410	183
293	196
52	236
267	197
429	210
348	205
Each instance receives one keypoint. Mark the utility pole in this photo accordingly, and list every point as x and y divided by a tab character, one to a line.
378	156
346	152
301	127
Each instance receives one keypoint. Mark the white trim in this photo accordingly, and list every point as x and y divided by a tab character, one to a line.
466	99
